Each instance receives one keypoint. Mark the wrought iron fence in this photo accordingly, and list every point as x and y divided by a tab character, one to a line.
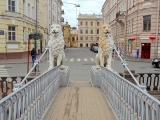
150	80
7	84
31	100
128	101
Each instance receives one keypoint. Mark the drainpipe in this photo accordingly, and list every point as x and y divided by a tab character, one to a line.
125	47
156	45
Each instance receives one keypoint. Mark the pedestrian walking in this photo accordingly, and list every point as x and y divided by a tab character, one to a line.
137	53
33	52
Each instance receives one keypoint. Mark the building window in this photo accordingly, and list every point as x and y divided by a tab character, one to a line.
81	45
81	23
28	10
86	31
86	23
86	38
147	23
97	38
11	33
98	24
91	38
11	5
73	39
81	31
97	31
91	31
81	38
91	23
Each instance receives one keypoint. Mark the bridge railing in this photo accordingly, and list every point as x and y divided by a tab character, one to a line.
128	100
150	80
30	101
124	63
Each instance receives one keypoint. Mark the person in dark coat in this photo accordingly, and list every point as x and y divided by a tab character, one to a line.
33	55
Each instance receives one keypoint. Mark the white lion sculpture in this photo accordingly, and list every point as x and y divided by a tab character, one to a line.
104	55
56	47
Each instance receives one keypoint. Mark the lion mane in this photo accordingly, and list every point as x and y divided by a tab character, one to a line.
56	47
104	57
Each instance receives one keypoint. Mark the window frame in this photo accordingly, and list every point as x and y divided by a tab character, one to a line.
10	33
81	38
97	31
81	23
81	31
86	30
98	23
86	23
91	31
147	23
10	6
91	23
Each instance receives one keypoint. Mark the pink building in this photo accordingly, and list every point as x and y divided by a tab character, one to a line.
138	19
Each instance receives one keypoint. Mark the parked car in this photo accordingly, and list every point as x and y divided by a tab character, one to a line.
92	45
95	48
156	62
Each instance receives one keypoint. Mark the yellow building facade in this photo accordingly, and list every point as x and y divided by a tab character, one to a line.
66	33
74	38
17	21
89	26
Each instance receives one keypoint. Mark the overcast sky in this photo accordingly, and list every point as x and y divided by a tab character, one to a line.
86	7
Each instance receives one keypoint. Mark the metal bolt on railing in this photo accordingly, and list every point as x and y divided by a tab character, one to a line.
37	61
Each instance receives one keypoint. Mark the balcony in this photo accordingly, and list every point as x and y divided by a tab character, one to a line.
62	19
62	11
120	16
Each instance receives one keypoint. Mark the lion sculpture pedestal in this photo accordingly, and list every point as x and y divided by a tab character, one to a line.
56	47
104	55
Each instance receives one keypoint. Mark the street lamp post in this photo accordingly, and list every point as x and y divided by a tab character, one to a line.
76	5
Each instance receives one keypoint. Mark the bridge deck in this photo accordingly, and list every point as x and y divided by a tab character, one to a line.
79	103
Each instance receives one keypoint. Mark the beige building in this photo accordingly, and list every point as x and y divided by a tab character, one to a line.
66	32
74	37
88	29
138	19
17	21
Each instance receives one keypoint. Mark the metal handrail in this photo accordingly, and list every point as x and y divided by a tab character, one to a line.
124	63
17	86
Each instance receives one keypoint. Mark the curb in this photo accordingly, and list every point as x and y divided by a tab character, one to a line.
2	63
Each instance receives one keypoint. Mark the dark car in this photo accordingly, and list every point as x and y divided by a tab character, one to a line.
95	49
156	62
92	45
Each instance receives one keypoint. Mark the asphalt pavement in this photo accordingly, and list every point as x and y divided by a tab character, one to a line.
80	61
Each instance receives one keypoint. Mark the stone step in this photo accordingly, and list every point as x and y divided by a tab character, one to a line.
80	84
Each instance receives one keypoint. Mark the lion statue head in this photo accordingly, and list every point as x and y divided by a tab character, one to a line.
56	29
56	41
106	29
104	43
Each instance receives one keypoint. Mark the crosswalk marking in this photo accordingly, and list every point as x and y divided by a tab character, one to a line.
3	71
78	59
85	59
71	60
92	59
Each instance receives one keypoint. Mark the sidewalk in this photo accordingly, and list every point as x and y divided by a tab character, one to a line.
132	59
22	60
